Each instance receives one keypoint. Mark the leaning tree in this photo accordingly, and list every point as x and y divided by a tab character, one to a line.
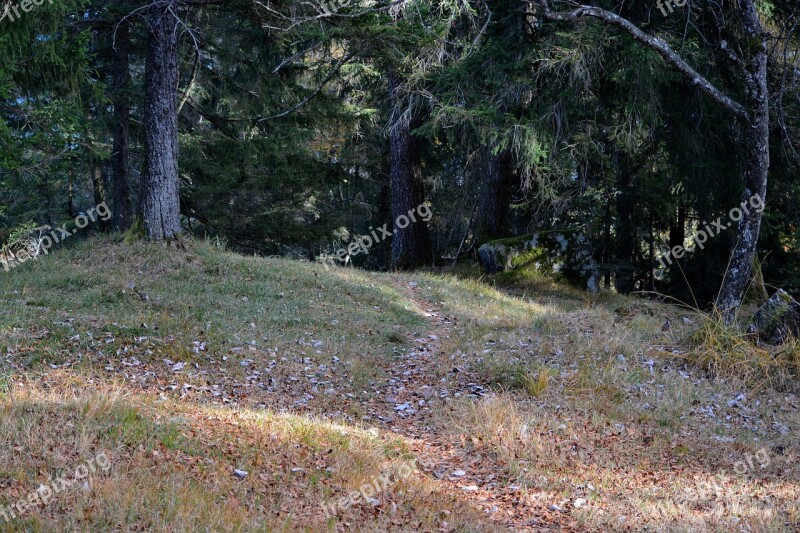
746	36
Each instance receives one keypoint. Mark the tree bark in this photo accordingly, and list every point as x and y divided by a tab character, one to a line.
495	198
737	276
411	245
677	230
99	176
625	235
651	249
385	209
161	187
120	157
71	195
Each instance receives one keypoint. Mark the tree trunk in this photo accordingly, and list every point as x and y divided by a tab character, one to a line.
677	230
99	188
737	276
71	195
120	157
411	244
625	235
495	199
160	191
605	256
385	209
651	248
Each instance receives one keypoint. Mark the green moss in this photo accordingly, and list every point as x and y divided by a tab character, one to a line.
553	253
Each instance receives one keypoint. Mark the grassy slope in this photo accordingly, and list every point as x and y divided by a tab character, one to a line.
277	361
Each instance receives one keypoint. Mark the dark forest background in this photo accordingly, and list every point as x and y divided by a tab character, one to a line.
502	122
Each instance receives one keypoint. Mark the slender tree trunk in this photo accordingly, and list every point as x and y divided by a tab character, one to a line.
99	188
757	143
71	194
677	230
625	235
160	191
411	245
120	157
651	248
495	199
605	257
385	210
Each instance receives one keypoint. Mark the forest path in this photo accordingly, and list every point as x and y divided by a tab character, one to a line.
413	403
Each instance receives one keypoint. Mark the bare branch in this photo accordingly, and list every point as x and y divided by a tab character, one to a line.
654	43
192	80
322	13
319	89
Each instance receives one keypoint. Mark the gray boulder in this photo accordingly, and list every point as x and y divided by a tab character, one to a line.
561	254
776	319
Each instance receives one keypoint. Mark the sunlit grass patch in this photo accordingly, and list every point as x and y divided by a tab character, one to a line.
576	391
173	465
615	469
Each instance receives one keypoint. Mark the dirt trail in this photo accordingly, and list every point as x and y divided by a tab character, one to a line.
413	393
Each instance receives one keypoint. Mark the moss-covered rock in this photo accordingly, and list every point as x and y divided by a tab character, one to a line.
757	290
563	254
777	319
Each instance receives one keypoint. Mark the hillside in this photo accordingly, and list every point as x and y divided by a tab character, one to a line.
204	390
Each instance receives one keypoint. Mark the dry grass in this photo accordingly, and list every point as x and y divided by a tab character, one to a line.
728	352
630	476
173	463
599	392
593	404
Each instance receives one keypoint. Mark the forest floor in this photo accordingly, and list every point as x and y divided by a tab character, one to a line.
204	390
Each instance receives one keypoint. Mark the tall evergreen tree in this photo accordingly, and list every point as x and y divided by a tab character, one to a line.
161	186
